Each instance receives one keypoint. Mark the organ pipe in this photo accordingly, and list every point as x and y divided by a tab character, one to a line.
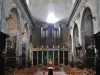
59	32
46	33
41	31
54	34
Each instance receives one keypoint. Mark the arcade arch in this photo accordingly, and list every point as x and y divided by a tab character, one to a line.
87	33
13	29
75	40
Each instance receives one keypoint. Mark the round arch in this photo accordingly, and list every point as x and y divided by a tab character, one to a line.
87	32
13	22
75	42
75	35
17	12
13	29
86	26
86	18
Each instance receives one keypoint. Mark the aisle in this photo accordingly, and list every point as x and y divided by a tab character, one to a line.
55	73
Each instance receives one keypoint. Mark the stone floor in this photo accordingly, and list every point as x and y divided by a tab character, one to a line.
55	73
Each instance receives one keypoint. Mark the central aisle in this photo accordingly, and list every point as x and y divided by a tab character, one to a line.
55	73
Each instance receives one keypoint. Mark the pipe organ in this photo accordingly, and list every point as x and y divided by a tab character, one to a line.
50	35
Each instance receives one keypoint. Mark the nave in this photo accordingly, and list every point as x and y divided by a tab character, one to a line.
49	37
67	70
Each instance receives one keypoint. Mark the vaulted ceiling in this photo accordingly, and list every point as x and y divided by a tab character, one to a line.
57	10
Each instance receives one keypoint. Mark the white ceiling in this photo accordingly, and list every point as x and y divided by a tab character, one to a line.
40	9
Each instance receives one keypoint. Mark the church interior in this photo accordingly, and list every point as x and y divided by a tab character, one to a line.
49	37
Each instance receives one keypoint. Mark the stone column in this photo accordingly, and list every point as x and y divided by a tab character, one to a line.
37	57
72	40
42	57
82	38
59	32
80	41
53	58
32	58
63	58
47	57
58	59
18	47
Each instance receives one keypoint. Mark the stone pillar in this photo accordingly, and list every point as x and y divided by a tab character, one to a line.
53	58
27	51
32	58
58	59
47	57
37	57
72	52
59	32
83	42
17	45
42	57
80	37
63	58
80	41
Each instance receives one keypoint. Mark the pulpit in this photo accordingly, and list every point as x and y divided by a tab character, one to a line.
50	70
50	67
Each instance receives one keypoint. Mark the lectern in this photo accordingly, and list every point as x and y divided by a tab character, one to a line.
50	70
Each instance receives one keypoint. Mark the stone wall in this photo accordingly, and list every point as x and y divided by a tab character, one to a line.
77	18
